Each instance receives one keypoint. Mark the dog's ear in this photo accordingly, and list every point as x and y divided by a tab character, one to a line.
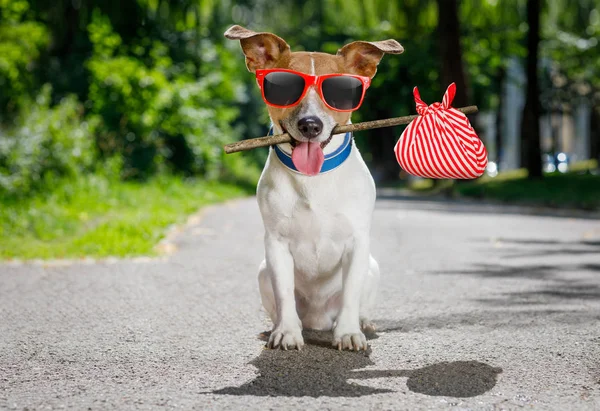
362	57
262	50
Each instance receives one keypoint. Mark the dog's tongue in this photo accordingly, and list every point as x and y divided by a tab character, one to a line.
308	158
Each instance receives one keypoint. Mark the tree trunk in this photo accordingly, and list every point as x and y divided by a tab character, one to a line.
452	68
385	165
500	77
595	135
530	124
448	32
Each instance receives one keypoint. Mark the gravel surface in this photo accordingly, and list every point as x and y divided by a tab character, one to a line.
480	307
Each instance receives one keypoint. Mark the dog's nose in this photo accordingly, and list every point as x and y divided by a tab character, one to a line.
310	127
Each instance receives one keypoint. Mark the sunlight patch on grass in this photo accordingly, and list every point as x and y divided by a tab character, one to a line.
583	166
424	184
96	217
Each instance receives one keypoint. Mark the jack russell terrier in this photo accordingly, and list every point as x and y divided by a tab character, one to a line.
316	195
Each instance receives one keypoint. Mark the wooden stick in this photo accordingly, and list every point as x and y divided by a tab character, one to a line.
286	138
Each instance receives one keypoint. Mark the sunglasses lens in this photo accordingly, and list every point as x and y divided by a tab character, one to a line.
342	92
282	88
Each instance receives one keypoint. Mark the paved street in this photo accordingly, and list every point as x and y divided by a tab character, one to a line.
480	307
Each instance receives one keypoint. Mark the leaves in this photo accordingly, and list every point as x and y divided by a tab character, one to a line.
46	143
160	99
20	46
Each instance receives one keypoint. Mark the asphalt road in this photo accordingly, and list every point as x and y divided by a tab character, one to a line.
480	307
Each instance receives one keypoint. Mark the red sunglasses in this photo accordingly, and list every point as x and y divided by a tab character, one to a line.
284	88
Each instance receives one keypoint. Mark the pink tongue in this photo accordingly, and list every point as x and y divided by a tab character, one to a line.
308	158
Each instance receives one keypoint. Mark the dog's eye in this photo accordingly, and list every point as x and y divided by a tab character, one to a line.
282	88
343	92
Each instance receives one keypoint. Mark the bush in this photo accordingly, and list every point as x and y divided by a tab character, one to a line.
144	113
157	114
20	46
46	143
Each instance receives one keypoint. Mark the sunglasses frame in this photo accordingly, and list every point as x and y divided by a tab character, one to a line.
310	81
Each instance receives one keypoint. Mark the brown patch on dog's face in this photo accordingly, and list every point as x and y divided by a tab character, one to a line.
266	50
324	63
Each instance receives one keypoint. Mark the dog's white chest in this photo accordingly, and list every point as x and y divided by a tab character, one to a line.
317	218
317	237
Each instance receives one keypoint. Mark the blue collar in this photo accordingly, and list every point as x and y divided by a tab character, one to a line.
332	160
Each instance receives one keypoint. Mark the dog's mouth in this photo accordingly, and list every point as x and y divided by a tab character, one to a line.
307	156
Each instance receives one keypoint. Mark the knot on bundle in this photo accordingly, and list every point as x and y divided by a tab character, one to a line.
424	109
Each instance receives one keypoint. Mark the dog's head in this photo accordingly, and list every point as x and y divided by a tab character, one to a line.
311	120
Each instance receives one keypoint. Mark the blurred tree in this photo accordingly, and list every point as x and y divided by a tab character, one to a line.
160	86
570	33
492	35
450	53
531	155
595	134
21	43
449	36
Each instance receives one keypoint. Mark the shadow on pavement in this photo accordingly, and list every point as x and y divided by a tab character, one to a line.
558	292
523	248
559	284
493	319
449	379
320	370
531	271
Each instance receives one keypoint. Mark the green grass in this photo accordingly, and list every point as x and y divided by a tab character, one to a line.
97	217
573	190
579	188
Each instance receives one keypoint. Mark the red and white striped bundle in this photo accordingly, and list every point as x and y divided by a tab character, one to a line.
440	142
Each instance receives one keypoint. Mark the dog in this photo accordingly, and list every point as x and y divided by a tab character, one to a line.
316	195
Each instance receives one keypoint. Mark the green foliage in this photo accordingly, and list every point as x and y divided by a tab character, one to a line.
155	114
46	143
125	94
20	45
105	41
570	42
13	10
155	102
493	34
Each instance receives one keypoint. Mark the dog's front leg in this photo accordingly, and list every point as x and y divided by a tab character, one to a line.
347	333
287	330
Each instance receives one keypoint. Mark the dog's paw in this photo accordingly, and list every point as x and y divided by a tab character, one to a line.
350	341
367	327
286	339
